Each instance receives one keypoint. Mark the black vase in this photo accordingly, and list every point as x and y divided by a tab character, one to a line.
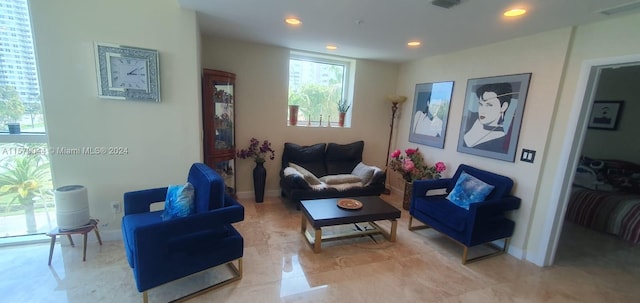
259	178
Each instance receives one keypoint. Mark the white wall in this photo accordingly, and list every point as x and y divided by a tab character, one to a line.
543	56
261	105
162	139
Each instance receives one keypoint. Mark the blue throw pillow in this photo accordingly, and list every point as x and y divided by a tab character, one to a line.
179	201
469	189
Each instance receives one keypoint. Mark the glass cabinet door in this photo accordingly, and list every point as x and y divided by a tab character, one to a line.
218	98
223	116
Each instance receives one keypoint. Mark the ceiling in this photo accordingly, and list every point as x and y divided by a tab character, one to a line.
380	29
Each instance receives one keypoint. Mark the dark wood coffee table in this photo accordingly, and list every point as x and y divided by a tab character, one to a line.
325	212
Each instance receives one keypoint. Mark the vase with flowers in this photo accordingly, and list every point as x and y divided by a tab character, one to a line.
412	166
258	151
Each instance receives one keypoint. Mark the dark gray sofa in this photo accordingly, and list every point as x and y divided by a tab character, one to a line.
325	159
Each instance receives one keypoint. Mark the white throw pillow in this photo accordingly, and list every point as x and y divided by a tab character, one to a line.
365	172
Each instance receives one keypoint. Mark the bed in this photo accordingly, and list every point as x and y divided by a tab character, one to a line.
606	198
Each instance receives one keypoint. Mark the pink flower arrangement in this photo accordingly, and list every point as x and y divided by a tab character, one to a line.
258	152
413	167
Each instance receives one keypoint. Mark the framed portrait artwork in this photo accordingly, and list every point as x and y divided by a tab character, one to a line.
492	116
430	113
605	114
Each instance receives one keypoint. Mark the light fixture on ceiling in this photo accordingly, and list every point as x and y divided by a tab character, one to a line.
445	3
414	43
514	12
331	47
292	21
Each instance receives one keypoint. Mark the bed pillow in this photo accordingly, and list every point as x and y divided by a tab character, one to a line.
308	176
585	177
469	189
179	201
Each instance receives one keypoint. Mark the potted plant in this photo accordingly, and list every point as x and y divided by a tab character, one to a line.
14	128
293	114
412	166
343	107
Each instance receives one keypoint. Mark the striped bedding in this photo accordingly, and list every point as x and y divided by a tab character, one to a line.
616	213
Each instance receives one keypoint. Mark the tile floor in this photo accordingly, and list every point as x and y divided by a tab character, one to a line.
423	266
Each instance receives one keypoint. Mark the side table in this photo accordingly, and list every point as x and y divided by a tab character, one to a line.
83	230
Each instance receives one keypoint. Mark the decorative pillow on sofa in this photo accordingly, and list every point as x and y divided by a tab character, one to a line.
308	176
311	157
342	158
365	172
179	201
340	179
378	177
469	189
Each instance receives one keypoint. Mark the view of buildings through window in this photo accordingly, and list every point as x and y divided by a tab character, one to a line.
317	85
26	199
19	87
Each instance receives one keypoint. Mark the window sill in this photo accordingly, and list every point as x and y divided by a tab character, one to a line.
23	138
318	125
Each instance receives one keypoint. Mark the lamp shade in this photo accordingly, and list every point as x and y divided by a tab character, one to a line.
396	99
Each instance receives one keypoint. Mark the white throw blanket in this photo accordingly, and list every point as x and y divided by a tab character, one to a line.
289	171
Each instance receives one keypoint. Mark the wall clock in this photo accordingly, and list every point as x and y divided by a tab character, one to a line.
127	73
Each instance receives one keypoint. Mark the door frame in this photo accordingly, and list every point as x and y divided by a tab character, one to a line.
570	154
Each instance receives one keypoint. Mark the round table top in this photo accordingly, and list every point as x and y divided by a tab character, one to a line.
93	223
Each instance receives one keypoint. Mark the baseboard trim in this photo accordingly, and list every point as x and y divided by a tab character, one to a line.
250	195
516	252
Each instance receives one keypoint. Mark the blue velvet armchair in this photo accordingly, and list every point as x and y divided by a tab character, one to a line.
162	251
483	223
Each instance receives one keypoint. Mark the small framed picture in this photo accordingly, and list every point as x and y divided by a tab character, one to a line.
430	113
605	115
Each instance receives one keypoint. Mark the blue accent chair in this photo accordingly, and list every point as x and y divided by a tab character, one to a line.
483	223
162	251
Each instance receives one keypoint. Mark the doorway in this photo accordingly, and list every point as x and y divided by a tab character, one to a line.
589	80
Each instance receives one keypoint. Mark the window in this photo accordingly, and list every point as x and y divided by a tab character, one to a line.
26	199
317	84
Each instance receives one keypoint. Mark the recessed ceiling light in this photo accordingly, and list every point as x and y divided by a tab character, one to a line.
293	21
331	47
515	12
414	43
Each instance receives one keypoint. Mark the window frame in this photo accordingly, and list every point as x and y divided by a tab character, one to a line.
348	66
26	135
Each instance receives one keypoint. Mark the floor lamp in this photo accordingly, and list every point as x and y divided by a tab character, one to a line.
395	102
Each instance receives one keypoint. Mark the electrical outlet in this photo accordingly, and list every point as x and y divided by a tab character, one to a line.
115	207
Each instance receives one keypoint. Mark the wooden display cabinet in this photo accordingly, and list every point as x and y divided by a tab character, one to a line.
218	101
